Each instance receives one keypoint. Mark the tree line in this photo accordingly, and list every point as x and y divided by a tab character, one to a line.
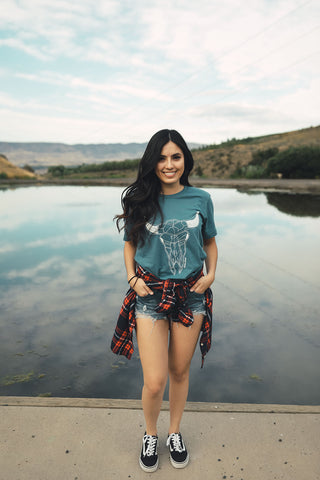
61	170
295	162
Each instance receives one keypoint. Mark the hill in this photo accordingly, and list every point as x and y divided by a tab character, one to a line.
8	170
222	161
43	155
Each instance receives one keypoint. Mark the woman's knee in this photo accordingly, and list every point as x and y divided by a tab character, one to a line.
179	373
155	385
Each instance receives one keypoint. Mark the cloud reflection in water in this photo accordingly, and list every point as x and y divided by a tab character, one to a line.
63	279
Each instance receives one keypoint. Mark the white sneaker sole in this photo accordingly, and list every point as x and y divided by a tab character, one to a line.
149	469
180	464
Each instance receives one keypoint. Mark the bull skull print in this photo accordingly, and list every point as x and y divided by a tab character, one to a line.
174	235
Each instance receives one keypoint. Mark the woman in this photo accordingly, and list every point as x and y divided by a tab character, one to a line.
169	233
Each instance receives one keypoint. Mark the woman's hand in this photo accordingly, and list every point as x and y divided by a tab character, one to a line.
136	283
202	284
140	287
206	281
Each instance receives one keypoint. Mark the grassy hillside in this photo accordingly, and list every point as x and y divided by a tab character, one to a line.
222	161
8	170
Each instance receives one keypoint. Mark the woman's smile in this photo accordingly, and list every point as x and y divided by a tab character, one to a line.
170	174
170	167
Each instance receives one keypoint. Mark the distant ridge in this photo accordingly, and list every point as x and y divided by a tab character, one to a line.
44	154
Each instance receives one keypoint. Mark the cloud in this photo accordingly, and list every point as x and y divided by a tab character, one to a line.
43	205
35	271
234	111
21	45
152	64
7	248
61	241
8	101
60	275
54	128
90	31
304	100
79	83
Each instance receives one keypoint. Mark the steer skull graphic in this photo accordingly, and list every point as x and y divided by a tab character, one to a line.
173	236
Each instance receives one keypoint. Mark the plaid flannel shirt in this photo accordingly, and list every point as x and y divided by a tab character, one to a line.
173	301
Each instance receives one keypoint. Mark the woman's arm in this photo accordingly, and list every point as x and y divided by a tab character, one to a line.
211	249
138	285
129	252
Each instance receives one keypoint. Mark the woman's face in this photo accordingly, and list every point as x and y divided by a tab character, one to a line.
170	167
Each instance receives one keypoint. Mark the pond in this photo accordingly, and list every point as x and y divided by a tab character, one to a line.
62	281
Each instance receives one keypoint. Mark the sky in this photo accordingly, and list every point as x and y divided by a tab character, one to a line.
109	71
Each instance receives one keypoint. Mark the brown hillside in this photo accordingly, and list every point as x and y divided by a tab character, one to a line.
222	161
12	171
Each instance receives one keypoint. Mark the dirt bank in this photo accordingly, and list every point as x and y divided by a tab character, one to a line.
280	185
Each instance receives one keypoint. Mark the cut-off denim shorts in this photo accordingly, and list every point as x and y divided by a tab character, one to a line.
146	306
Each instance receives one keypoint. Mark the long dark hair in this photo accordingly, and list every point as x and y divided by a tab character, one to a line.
140	201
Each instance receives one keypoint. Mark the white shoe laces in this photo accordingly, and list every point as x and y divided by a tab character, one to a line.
152	445
177	441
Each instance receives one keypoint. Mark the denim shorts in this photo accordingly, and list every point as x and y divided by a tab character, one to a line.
146	306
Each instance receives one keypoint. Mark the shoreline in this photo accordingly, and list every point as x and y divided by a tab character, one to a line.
301	186
123	403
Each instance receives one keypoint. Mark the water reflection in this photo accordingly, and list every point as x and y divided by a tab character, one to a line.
62	280
300	205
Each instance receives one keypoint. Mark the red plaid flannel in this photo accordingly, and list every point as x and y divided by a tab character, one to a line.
173	302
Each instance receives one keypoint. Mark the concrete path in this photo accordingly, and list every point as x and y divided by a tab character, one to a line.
97	439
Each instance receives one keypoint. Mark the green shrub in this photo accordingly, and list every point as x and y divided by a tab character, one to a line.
255	171
296	162
57	171
28	168
249	171
260	157
199	171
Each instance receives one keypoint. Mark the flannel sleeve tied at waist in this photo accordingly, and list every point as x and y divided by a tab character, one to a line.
173	304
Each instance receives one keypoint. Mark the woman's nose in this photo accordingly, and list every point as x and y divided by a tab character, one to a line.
169	163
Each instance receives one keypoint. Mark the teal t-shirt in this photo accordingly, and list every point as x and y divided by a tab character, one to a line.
175	248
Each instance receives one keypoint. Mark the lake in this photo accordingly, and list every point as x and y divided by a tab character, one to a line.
62	281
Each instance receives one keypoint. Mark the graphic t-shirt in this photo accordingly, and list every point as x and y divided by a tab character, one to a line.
175	248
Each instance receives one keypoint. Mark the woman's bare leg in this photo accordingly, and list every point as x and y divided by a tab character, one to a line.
152	339
183	341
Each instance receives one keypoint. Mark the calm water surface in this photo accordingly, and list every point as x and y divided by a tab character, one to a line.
62	280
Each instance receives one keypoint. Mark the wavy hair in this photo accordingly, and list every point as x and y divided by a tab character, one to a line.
140	200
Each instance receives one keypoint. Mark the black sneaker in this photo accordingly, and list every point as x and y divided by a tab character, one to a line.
179	456
149	455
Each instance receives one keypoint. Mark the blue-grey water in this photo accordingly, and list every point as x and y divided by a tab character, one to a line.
62	281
